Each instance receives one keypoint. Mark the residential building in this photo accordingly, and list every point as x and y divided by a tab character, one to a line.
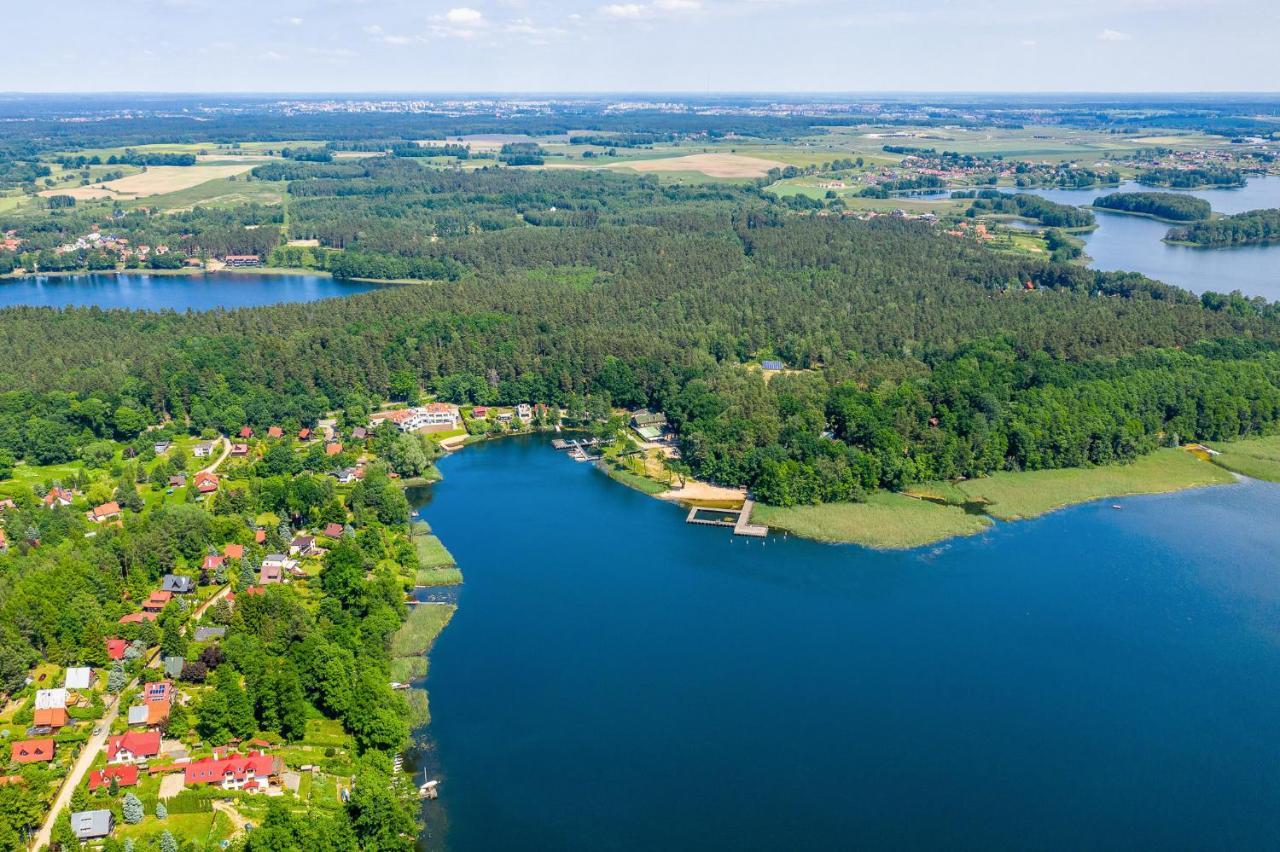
206	483
32	751
771	366
434	415
333	448
124	776
240	260
333	530
204	449
240	450
156	603
50	718
116	648
524	412
345	476
79	677
58	496
213	563
133	746
47	698
162	447
268	574
105	512
304	434
206	634
178	480
92	825
645	417
275	432
179	585
302	545
246	432
252	772
480	412
233	551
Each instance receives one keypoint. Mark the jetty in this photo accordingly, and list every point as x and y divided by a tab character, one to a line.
738	519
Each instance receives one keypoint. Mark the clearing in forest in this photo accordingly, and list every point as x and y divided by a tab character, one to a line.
711	165
156	180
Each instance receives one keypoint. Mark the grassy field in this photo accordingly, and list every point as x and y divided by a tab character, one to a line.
1012	496
420	629
1256	457
157	180
431	552
886	521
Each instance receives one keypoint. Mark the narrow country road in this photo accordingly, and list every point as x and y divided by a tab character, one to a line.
226	451
99	741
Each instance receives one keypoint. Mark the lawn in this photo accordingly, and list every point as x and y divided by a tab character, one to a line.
1012	496
1255	457
887	521
205	830
448	576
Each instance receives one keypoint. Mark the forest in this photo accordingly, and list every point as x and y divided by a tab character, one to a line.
1164	205
1193	178
1252	227
1042	210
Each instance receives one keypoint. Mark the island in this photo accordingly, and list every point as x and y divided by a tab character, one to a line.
1194	177
1254	227
1165	206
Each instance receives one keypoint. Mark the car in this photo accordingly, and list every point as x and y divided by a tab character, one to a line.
97	730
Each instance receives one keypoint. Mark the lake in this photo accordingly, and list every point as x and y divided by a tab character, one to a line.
1133	243
142	291
615	679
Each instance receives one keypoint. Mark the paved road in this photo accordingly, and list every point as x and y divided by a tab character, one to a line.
226	451
98	742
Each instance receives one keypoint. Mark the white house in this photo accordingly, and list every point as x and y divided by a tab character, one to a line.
434	415
524	412
50	699
79	677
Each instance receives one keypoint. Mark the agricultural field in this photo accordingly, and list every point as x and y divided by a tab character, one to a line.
156	180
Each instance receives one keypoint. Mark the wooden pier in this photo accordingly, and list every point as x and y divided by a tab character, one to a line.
738	519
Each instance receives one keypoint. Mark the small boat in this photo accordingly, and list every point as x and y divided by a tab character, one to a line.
1116	506
428	790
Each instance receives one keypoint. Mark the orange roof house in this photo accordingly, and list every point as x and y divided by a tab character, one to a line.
105	512
333	449
206	482
51	717
246	432
234	551
275	432
32	751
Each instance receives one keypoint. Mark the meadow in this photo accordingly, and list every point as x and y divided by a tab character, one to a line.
1255	457
886	521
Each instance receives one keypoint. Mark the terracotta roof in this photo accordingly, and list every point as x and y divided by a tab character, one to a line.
116	648
206	482
333	530
259	536
32	751
234	551
333	449
51	717
138	617
210	771
213	563
106	510
275	432
246	432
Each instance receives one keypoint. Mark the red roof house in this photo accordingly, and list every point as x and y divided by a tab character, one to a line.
246	433
250	772
139	617
213	563
50	717
32	751
259	535
332	449
125	776
133	746
234	551
116	648
105	512
304	434
275	432
157	601
333	530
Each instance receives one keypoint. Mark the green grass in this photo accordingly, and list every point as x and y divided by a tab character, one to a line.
634	480
1012	496
407	669
204	830
420	629
1255	457
450	576
431	552
885	521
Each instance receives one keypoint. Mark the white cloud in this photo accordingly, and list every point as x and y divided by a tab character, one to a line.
295	22
677	5
397	40
1113	35
623	11
464	16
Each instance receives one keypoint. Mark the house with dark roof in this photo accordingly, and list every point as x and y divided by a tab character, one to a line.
177	584
302	545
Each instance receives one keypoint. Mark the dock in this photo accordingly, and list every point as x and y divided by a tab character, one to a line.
738	519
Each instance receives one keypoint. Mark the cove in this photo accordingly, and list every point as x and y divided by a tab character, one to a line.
143	291
1134	243
615	679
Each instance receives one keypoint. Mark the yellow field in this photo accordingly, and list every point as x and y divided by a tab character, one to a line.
156	180
711	165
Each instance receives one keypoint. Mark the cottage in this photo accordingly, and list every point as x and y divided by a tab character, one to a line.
116	648
58	496
259	535
206	483
275	432
139	714
771	366
176	584
333	530
105	512
269	574
32	751
242	260
162	447
240	450
204	449
524	412
133	746
124	776
79	677
332	448
345	476
480	412
645	417
173	666
252	773
213	563
246	432
92	825
234	551
302	545
138	617
178	481
304	434
359	433
157	601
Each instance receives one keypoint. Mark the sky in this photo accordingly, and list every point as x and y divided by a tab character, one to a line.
642	45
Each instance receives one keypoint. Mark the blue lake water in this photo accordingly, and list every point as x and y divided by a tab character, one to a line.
1134	243
615	679
140	291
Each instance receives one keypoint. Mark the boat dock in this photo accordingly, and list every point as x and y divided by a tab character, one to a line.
579	448
738	519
